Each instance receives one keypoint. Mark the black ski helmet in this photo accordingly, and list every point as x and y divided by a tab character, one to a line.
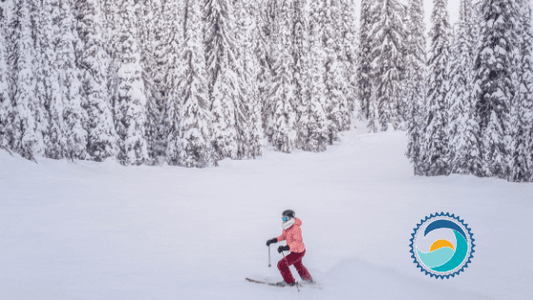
288	213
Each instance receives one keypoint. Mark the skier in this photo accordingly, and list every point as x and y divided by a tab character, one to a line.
293	234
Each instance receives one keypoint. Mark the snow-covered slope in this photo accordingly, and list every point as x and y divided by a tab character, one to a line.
89	230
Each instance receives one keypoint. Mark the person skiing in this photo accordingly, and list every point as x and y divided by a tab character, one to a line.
292	233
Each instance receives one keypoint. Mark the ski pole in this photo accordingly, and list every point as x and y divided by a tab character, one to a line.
269	256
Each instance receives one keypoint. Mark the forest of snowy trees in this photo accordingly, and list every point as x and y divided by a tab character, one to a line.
192	82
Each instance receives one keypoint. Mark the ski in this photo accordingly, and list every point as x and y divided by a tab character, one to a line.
263	282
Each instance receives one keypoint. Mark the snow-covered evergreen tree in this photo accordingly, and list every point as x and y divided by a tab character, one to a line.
4	95
494	82
267	58
244	95
313	122
130	113
94	61
364	79
20	125
416	80
522	168
262	52
38	107
436	151
70	85
283	97
168	37
222	77
111	34
189	143
47	89
148	14
251	73
463	128
350	43
389	63
337	110
300	55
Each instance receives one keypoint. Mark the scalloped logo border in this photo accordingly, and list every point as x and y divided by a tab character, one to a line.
433	273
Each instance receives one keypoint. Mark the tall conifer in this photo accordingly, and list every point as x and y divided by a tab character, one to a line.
523	149
388	65
364	81
436	151
463	128
283	97
493	74
416	80
4	95
189	142
20	121
94	62
222	76
130	104
314	136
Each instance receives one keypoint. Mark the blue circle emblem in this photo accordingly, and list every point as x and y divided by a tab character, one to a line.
442	245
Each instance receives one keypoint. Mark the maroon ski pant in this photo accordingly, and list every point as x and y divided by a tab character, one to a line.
293	259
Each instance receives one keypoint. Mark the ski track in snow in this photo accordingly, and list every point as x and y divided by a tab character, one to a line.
89	230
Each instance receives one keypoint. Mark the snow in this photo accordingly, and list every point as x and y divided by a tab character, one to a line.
90	230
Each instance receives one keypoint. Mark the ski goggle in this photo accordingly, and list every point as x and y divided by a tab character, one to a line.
285	218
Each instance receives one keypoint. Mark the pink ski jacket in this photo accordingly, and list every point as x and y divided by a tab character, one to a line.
293	235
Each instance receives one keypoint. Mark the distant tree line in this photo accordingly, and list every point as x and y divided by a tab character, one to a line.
190	83
187	82
477	114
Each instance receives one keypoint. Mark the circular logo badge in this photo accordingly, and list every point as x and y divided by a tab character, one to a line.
442	245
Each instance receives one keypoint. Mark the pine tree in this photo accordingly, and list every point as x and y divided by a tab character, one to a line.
252	71
189	142
4	96
369	17
130	113
436	151
162	116
38	108
493	71
335	82
314	133
93	62
283	98
48	87
157	107
70	86
111	34
222	77
20	120
523	103
416	80
463	129
267	57
350	44
243	101
389	64
299	53
262	52
148	13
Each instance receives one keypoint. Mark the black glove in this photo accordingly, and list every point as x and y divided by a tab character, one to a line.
272	241
283	248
